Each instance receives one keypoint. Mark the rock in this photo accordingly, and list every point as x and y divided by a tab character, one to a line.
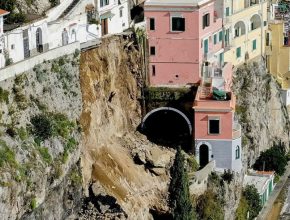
158	171
158	157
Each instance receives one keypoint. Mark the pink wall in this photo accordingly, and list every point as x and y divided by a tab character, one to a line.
201	125
179	53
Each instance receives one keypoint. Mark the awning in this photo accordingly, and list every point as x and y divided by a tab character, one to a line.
106	15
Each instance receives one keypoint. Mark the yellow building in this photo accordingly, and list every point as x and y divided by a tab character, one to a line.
245	25
278	53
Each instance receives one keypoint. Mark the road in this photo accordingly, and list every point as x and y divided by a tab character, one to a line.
279	186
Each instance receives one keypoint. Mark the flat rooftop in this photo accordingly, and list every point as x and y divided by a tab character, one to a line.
258	181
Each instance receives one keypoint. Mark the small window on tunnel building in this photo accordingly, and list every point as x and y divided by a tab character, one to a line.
214	125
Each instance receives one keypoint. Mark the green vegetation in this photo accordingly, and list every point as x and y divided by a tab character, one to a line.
251	202
45	154
242	210
192	165
75	177
54	2
46	125
13	17
4	96
228	176
180	200
162	93
7	156
274	158
209	206
33	203
22	133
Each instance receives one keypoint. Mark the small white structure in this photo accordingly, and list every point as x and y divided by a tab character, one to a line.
2	55
263	181
114	16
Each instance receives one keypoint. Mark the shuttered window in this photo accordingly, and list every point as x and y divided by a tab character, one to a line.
206	20
238	52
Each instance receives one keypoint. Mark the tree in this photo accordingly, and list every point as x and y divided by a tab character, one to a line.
252	196
179	195
13	17
274	158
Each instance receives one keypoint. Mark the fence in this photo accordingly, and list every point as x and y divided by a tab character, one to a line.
25	65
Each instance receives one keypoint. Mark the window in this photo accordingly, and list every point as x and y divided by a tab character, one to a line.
214	125
177	24
220	36
152	24
12	46
254	45
205	46
152	51
153	70
238	152
215	39
228	11
104	3
268	39
265	23
238	52
121	12
237	32
205	20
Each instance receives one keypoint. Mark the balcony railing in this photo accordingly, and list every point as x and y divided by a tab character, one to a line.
237	130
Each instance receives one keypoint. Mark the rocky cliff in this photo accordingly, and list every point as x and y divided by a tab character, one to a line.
39	141
263	116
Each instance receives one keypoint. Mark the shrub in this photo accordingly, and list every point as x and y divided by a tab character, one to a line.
253	200
45	154
33	203
227	176
7	156
242	210
274	158
4	96
42	126
209	206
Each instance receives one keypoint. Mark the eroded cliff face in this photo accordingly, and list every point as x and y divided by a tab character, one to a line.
109	77
263	117
39	141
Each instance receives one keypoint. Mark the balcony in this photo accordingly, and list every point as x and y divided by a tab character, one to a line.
237	130
208	56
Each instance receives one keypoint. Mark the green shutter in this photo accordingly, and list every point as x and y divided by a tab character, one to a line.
215	39
238	52
254	44
227	11
205	45
220	36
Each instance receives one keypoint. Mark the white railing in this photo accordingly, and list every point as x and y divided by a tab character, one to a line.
27	64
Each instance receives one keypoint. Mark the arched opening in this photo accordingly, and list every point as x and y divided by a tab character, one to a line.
255	22
73	35
203	155
64	37
39	44
240	29
168	126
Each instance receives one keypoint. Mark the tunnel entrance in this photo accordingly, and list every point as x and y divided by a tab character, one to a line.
168	126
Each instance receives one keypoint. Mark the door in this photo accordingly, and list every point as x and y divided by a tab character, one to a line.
104	23
39	40
26	43
203	155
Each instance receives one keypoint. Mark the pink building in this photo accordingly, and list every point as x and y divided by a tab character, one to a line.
217	134
185	37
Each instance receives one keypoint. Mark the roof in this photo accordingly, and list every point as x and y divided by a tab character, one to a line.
3	12
258	181
175	2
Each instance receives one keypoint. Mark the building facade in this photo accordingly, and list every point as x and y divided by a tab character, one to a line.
2	54
245	25
217	133
114	16
185	38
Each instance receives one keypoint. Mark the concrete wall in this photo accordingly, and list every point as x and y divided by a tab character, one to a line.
223	152
28	64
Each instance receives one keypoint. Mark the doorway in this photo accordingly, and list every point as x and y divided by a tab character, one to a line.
203	155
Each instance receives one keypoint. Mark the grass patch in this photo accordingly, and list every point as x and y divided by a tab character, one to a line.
45	155
7	156
4	96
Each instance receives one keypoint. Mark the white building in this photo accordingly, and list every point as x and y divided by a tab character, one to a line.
68	22
114	16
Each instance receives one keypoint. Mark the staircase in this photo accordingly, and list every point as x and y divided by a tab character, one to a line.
69	8
206	88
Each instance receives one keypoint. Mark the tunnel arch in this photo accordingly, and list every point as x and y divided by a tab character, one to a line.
168	109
